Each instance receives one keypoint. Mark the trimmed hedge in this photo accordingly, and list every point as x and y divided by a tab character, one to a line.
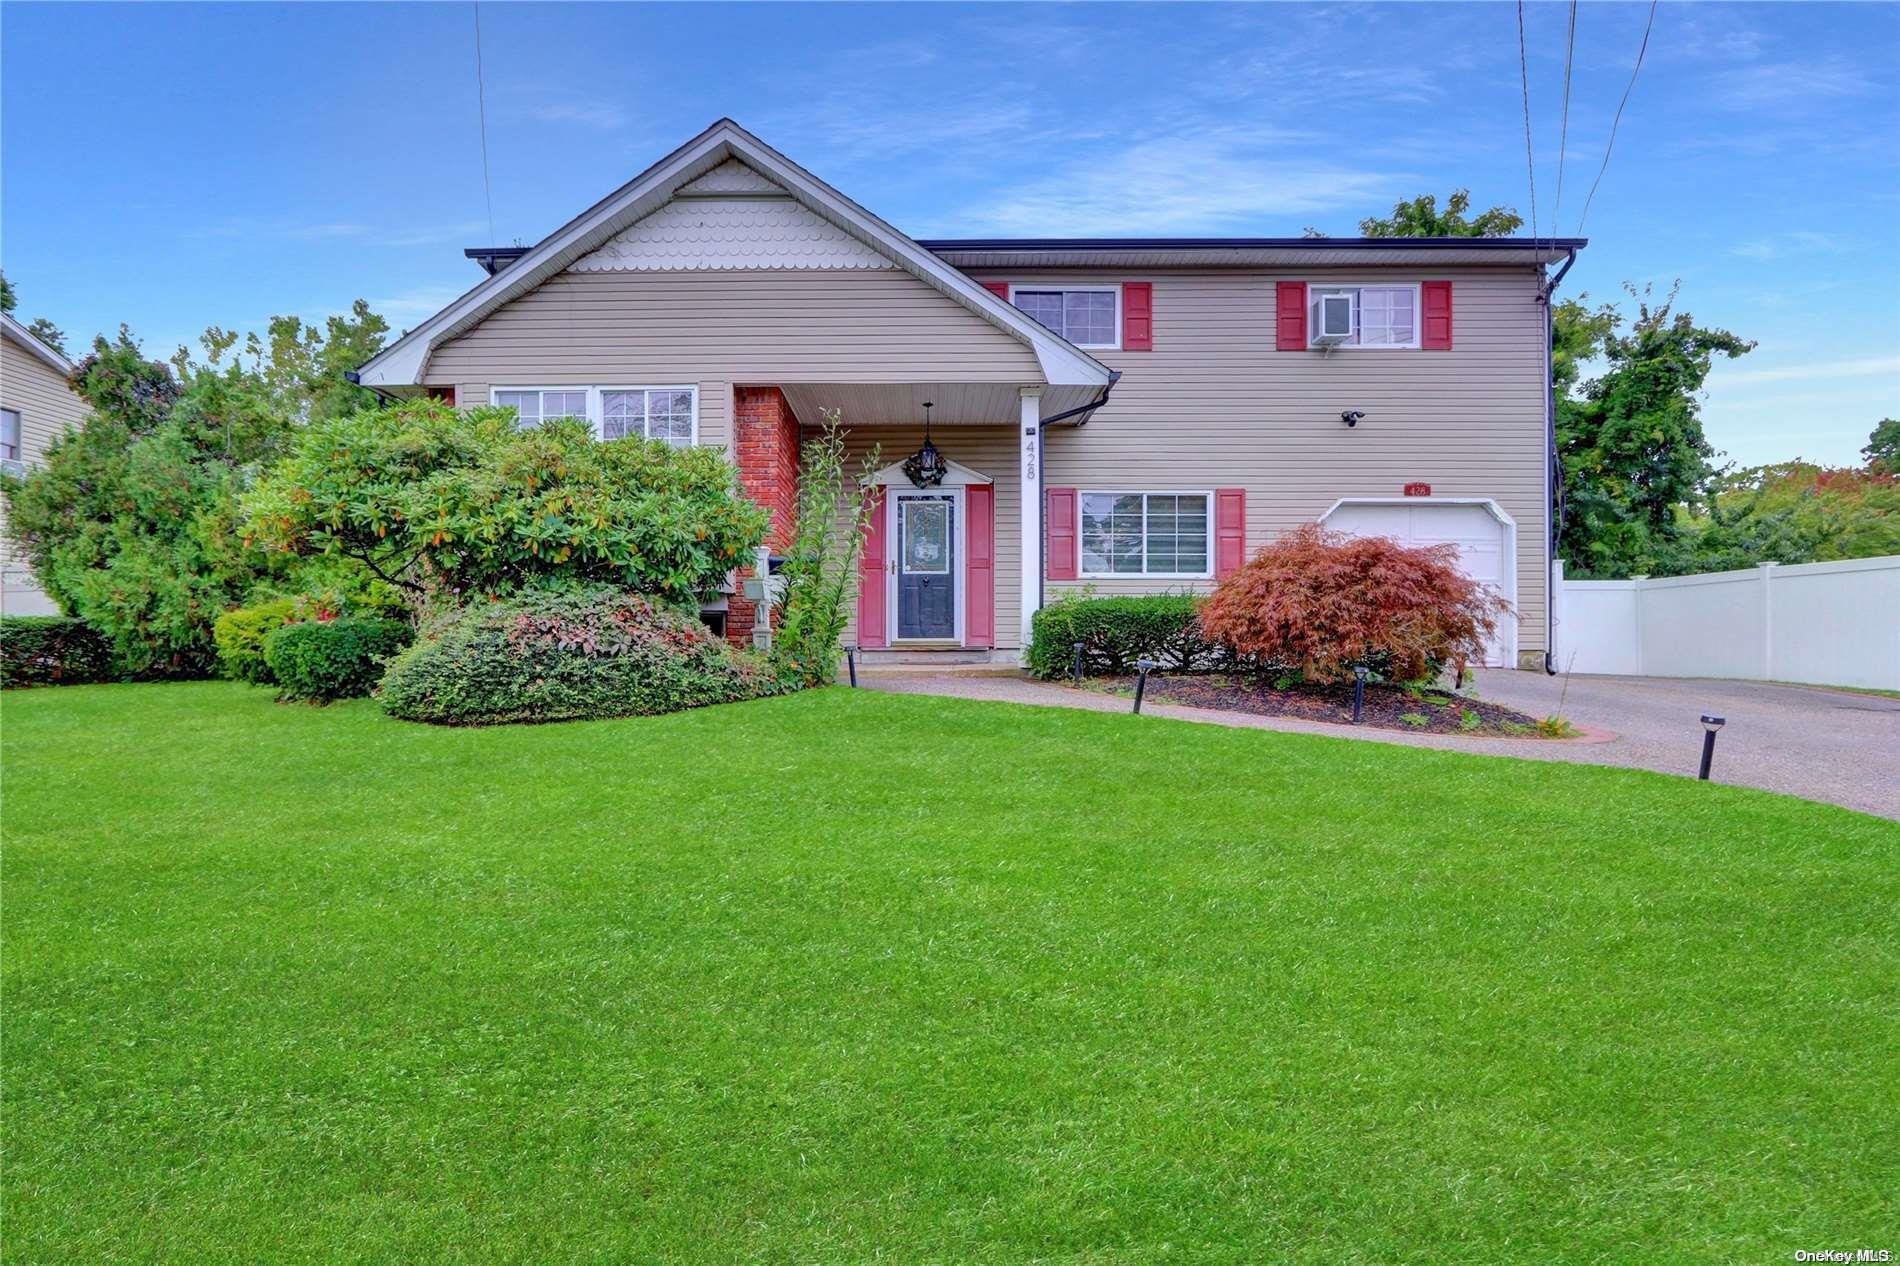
53	650
593	652
1116	632
240	635
318	661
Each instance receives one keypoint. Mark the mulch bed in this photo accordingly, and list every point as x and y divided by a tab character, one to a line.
1441	711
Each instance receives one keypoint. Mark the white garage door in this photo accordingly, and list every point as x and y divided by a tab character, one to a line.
1483	541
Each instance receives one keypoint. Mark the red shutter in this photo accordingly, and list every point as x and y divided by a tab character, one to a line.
979	567
1060	524
871	577
1290	311
1230	531
1435	298
998	288
1138	316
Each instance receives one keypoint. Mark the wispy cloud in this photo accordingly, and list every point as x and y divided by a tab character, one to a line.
604	115
1788	85
261	229
1202	181
1799	242
406	307
1847	367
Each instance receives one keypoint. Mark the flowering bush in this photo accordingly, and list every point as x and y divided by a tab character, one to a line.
566	655
1318	602
442	503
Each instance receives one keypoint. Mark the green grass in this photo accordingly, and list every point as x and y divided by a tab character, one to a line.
848	977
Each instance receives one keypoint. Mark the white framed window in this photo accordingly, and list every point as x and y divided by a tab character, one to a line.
1157	534
669	413
658	413
10	435
1378	316
1088	316
535	405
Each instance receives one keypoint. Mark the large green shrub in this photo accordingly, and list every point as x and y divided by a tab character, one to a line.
1115	632
321	660
588	652
459	504
240	635
53	650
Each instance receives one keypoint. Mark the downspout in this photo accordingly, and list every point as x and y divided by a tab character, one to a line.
1553	474
1081	416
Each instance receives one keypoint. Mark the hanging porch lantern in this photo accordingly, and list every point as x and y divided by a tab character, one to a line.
926	467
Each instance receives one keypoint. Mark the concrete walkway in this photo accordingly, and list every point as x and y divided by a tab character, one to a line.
1825	745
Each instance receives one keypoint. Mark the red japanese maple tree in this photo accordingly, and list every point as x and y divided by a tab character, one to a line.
1320	602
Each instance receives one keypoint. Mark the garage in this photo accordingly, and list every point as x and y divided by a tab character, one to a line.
1485	536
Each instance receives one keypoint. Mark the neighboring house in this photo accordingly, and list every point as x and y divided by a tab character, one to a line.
35	405
1132	415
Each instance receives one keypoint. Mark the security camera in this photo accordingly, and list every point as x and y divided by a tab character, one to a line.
1351	417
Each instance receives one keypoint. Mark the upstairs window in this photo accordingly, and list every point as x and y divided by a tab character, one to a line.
1086	316
536	407
658	413
1363	316
9	435
1145	534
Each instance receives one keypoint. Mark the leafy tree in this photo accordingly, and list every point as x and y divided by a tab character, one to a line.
130	521
299	368
48	333
444	504
1883	448
41	328
1421	217
1631	442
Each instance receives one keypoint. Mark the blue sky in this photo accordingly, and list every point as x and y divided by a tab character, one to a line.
179	166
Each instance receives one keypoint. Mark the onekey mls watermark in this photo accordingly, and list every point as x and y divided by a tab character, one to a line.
1843	1255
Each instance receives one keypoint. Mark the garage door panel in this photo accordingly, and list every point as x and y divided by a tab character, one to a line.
1479	537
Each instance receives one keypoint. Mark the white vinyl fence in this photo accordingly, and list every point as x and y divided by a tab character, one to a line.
1832	624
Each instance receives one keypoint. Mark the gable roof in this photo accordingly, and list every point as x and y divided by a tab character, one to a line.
402	363
31	342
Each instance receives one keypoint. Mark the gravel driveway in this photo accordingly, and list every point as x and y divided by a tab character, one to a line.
1824	745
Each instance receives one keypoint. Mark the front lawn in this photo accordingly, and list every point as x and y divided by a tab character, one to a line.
846	977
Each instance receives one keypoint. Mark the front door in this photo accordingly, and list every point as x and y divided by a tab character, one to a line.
927	566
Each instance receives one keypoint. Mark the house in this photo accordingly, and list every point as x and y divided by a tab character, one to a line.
36	404
1127	414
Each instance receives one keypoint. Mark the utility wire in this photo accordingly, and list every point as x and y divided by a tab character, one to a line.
1524	75
1619	116
1563	136
481	113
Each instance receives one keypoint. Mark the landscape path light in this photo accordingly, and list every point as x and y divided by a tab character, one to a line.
1141	682
1710	724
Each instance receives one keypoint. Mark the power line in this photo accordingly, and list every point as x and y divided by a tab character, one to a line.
481	112
1524	75
1563	136
1619	116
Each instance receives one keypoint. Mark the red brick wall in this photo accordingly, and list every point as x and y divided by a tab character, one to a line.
765	445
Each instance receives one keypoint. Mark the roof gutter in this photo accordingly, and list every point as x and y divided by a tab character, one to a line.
355	379
1553	474
1085	412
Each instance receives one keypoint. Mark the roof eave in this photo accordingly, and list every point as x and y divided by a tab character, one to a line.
31	341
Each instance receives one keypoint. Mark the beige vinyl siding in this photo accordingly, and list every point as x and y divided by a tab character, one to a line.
46	406
723	327
1215	405
990	451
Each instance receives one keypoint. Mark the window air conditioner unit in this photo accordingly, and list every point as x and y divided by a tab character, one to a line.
1332	318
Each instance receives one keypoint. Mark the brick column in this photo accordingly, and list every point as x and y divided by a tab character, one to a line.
765	446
